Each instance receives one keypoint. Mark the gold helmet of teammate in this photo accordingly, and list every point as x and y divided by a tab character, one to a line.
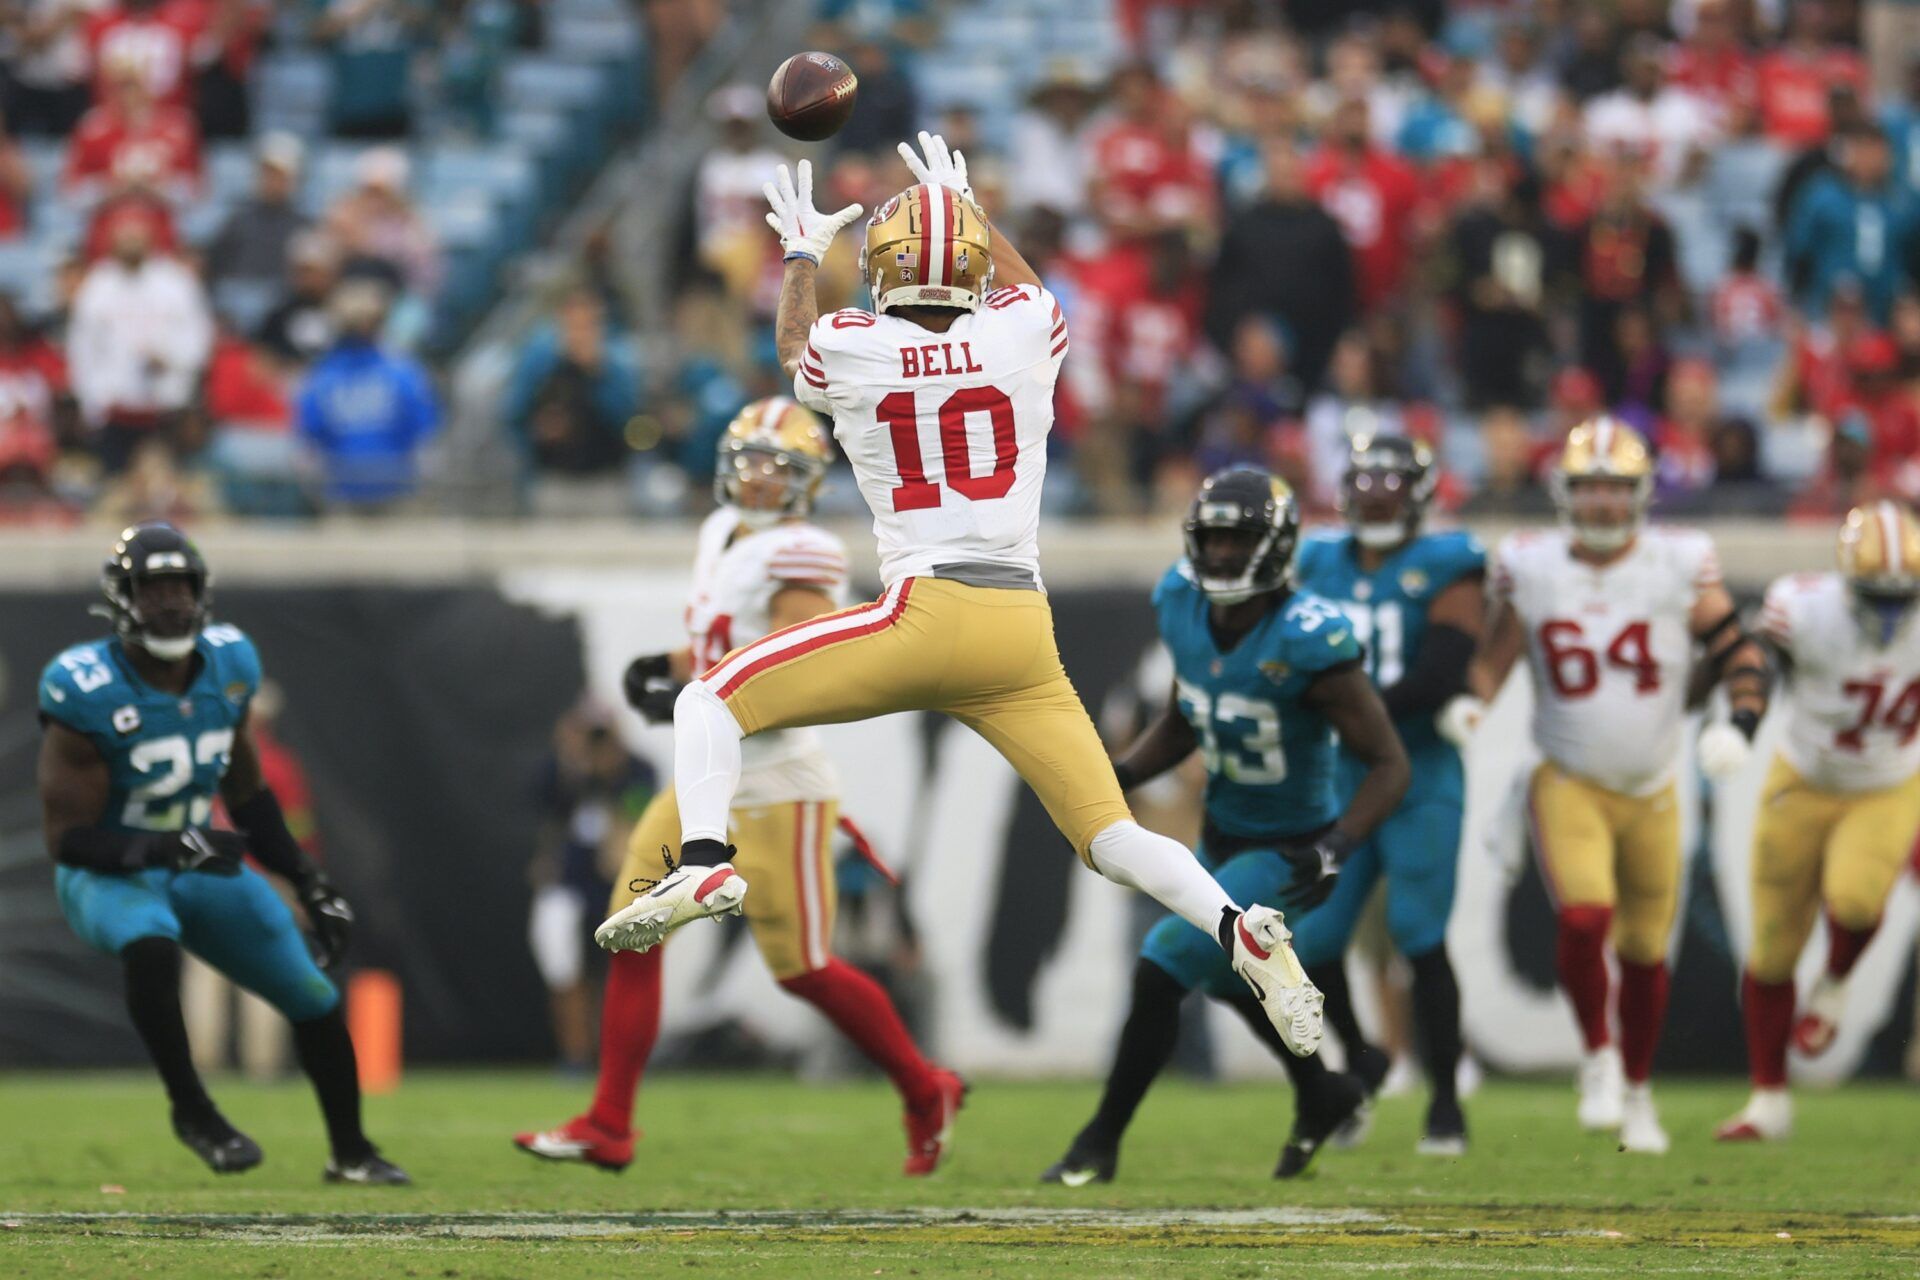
1602	484
927	247
1879	556
772	458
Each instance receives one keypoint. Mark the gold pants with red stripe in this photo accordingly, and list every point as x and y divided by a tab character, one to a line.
984	656
1600	848
785	852
1843	849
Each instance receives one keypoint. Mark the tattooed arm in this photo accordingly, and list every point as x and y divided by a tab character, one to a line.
799	308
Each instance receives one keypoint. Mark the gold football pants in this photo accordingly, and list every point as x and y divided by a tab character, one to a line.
1843	849
1601	848
985	656
785	853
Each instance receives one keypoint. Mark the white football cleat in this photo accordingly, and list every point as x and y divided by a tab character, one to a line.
1263	957
1603	1086
1814	1030
1767	1117
685	895
1640	1131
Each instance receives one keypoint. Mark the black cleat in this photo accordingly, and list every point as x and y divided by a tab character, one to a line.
370	1170
1446	1131
1345	1097
1084	1163
224	1148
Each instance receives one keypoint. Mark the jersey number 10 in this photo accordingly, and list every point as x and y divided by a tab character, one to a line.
900	411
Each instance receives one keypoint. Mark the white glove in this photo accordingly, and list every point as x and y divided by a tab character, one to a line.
941	168
1723	751
804	231
1457	721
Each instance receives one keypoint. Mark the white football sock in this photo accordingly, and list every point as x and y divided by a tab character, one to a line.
1127	853
706	762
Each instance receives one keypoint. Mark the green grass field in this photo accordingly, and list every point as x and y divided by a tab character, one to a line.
764	1177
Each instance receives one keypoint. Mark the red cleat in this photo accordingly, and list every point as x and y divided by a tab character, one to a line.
930	1124
582	1140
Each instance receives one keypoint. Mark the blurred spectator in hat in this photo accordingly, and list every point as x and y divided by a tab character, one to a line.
373	45
729	213
47	89
133	144
377	226
1667	125
1285	259
1795	78
1049	149
365	412
889	107
1498	259
1712	62
300	329
138	341
251	246
1146	175
573	391
1857	224
155	37
1372	194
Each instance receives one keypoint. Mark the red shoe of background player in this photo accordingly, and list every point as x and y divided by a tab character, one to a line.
930	1124
582	1140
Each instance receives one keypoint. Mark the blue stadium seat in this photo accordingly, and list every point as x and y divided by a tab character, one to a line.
550	84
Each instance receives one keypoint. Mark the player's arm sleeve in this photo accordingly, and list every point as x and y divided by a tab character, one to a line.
1502	575
819	358
810	558
1328	649
61	701
1438	671
1776	624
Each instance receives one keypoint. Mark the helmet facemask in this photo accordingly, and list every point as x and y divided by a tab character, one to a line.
1602	513
1240	536
167	624
766	485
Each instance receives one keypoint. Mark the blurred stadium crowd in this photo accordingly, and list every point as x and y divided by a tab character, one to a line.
235	239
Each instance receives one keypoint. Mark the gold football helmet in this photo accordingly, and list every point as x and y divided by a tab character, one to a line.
1603	483
927	247
1879	556
772	458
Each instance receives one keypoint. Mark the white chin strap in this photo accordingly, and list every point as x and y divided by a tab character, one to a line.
1236	591
1378	536
168	648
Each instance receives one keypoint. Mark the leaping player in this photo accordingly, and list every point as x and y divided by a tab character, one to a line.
1841	804
1611	615
760	566
942	400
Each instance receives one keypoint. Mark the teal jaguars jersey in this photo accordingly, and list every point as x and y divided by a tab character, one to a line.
165	752
1269	756
1388	607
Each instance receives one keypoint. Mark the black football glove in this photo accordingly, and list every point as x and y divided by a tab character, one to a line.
1316	868
650	687
218	853
331	916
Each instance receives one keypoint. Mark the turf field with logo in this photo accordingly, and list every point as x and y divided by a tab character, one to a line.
750	1175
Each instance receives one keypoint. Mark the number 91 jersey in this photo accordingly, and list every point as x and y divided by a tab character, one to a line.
1269	756
946	432
1853	708
1610	647
165	752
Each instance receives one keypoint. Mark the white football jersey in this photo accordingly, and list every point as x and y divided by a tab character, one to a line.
1610	648
737	571
947	432
1853	708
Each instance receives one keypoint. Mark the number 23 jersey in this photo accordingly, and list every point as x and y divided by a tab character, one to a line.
1610	647
1269	755
1853	707
946	432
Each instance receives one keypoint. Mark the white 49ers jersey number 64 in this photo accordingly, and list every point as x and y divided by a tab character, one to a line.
737	572
946	432
1853	707
1610	648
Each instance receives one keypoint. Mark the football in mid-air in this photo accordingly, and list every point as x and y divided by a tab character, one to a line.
811	95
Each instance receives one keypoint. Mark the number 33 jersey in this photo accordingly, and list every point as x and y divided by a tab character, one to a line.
165	752
1853	707
946	432
1610	647
1269	755
737	572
